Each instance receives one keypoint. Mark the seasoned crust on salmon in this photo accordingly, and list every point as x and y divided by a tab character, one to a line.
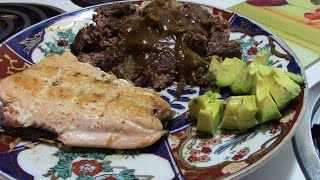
83	105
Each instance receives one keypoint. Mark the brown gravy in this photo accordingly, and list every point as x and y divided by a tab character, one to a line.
162	27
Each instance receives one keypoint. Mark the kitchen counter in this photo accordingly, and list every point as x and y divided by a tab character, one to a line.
283	166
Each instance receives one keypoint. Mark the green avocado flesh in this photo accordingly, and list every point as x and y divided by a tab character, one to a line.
267	108
287	82
264	91
243	82
296	78
231	113
209	118
247	115
281	87
224	74
200	102
240	113
262	58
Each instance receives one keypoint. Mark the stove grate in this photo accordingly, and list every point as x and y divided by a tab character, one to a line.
15	17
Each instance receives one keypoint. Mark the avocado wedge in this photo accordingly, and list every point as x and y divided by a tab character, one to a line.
231	113
262	58
200	102
243	82
297	78
224	74
267	108
210	117
240	113
247	115
287	82
281	87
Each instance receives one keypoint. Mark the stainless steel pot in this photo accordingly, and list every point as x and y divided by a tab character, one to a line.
306	149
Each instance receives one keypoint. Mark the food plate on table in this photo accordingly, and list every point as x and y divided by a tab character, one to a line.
182	152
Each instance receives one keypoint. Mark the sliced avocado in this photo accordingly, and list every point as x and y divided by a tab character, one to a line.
280	95
231	113
276	85
262	58
287	82
210	117
243	82
200	102
247	115
240	113
213	69
224	74
297	78
290	85
267	108
235	66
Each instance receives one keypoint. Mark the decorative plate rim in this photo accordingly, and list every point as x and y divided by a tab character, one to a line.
5	175
265	158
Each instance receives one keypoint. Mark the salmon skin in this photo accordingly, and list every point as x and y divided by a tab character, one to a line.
82	105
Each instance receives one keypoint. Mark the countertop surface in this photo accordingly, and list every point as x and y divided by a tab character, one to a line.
283	166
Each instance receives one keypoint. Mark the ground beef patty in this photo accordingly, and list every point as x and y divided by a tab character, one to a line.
165	42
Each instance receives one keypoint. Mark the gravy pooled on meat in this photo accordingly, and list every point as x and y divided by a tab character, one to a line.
165	41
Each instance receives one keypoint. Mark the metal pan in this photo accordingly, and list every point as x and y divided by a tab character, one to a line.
303	143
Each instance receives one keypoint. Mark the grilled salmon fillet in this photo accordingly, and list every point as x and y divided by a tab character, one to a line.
83	105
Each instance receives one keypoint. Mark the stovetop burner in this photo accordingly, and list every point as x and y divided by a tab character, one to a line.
6	27
16	17
315	132
86	3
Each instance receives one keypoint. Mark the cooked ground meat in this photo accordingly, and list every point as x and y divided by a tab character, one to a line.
164	42
219	43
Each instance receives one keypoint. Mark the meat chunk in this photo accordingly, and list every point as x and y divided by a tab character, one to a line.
219	43
104	34
85	41
104	60
83	105
198	43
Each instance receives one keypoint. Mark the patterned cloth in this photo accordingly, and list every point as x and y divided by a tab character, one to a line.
296	22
